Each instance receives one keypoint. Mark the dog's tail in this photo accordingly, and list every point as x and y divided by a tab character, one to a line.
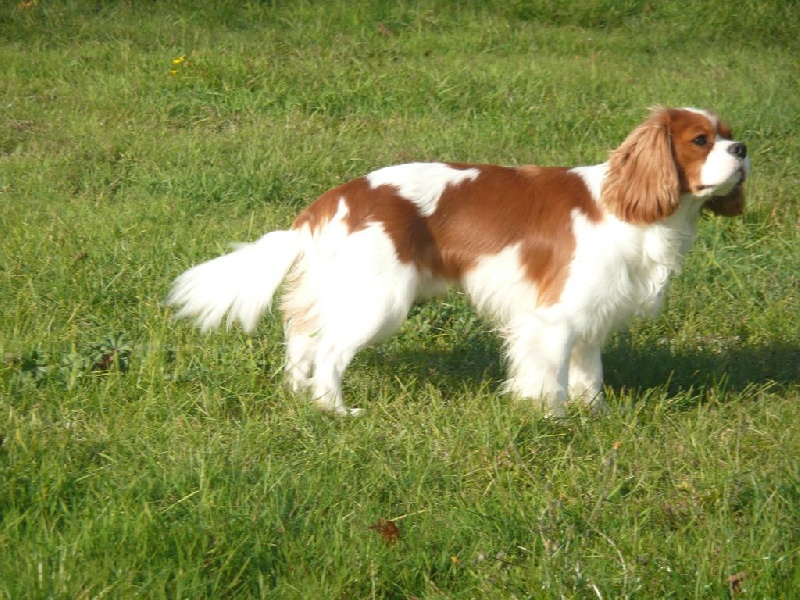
240	284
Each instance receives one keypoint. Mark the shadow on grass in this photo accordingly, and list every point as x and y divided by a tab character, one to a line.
479	359
734	370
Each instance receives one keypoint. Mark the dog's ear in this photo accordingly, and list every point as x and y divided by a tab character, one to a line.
729	205
642	185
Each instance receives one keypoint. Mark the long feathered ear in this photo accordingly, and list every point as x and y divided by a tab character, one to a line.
642	185
729	205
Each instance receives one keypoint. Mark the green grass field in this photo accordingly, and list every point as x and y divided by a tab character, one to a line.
141	459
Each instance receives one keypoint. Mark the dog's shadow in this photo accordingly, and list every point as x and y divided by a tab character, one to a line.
631	367
475	358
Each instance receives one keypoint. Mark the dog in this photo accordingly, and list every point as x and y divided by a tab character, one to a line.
556	257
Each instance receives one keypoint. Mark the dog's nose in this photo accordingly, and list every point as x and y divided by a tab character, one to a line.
738	150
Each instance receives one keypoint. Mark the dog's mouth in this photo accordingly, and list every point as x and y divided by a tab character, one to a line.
737	179
728	199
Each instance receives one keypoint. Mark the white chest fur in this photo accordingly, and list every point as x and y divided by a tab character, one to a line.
620	270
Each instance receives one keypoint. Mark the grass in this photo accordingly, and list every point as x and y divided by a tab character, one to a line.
139	458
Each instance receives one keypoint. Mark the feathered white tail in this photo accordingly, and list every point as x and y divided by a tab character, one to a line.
240	284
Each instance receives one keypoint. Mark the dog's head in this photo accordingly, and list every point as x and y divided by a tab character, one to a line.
677	155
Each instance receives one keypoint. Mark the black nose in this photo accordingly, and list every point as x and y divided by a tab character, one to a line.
738	150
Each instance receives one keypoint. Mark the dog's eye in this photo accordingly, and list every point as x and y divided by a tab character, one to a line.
700	140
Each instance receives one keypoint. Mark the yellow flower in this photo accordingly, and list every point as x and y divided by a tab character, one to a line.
173	72
178	60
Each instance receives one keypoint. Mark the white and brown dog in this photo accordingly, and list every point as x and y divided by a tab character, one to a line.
557	257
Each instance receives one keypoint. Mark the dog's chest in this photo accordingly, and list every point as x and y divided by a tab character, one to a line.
621	271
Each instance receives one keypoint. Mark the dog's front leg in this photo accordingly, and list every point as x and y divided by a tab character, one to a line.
586	374
538	357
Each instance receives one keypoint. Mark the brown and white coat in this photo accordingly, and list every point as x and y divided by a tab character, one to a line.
556	257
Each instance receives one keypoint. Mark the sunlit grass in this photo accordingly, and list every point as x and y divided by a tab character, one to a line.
139	458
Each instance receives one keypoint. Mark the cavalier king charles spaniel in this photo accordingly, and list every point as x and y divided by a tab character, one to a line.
556	257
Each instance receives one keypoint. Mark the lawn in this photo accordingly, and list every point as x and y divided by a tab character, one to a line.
139	458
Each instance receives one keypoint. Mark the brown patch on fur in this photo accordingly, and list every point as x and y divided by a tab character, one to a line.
529	206
366	205
724	131
642	185
503	206
685	126
356	195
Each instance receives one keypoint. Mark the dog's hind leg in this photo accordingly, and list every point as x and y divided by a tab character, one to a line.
300	353
353	296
